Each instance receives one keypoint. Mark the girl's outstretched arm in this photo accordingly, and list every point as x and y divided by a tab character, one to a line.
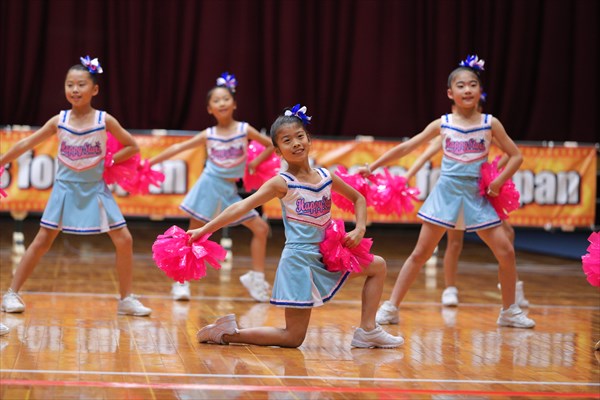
253	134
434	146
28	143
274	187
404	148
353	237
130	147
515	159
198	140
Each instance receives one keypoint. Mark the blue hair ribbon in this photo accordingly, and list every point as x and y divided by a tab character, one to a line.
298	111
473	62
93	66
228	81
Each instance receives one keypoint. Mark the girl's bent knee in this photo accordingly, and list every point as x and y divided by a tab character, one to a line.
293	338
379	265
127	240
420	257
260	229
380	261
506	254
294	342
455	246
122	239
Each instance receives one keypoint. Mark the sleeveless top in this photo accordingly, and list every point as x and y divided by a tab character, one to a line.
465	147
81	151
226	156
306	208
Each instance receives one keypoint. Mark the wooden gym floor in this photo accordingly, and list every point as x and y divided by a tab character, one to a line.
70	343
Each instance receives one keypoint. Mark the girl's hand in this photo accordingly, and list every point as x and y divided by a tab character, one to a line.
364	171
252	167
493	190
353	238
196	233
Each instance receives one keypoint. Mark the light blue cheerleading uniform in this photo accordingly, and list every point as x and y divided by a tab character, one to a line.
455	202
80	202
216	189
301	279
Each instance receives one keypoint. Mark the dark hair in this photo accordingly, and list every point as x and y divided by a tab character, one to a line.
211	91
459	69
80	67
284	120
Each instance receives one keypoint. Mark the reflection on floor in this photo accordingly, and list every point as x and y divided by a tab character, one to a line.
70	343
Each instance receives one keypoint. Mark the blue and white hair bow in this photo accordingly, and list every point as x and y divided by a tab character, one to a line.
227	80
473	62
92	65
298	112
483	97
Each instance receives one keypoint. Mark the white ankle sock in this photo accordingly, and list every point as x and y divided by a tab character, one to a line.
259	275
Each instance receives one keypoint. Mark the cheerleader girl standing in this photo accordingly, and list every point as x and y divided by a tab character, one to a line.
80	202
455	202
455	237
226	145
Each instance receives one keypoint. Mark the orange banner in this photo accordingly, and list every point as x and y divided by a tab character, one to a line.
28	180
557	184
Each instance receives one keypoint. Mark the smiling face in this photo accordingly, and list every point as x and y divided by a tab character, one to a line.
465	89
292	142
221	103
79	87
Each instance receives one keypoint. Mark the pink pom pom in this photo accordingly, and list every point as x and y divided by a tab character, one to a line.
391	195
591	261
356	181
508	197
182	261
122	173
2	192
336	257
145	176
264	171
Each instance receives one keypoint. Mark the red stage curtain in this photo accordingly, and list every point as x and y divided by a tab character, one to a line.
362	67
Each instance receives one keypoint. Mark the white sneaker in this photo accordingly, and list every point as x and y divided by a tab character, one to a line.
375	338
450	296
213	333
130	305
387	314
256	285
515	317
181	291
520	299
4	329
12	302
